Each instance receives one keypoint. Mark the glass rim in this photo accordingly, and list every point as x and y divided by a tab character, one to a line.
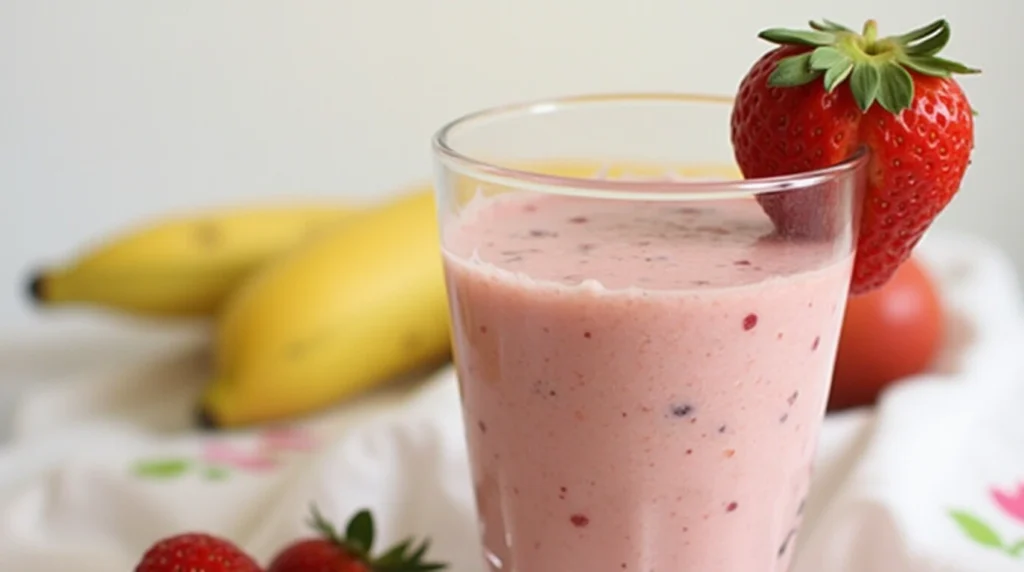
662	190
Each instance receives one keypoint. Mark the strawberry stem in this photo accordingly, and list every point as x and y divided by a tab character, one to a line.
870	34
876	69
405	556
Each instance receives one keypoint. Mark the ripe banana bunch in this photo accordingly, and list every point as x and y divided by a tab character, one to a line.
337	315
183	266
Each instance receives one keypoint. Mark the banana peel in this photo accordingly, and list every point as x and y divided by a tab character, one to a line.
181	266
335	317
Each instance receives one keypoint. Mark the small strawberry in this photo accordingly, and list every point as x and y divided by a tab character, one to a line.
196	552
793	115
351	553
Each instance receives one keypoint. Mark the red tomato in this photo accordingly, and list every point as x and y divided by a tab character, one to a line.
888	334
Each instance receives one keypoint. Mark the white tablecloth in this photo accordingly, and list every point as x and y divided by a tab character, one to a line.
101	458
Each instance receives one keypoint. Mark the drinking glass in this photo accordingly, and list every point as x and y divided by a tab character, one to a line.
644	340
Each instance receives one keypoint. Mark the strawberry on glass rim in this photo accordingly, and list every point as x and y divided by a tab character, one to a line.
825	93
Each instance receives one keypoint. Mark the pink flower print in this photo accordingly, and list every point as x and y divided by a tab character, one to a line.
225	454
287	439
1011	503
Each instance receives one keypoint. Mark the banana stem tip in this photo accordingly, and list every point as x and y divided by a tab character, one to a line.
205	420
36	287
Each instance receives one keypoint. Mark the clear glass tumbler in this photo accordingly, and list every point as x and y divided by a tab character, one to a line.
644	340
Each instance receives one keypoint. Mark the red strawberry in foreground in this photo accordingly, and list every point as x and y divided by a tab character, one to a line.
196	553
351	553
828	91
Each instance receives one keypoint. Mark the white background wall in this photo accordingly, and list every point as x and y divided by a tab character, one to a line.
112	110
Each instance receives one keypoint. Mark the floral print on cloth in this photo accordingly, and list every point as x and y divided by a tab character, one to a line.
1010	503
219	458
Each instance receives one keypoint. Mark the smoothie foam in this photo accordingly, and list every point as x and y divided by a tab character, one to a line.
642	382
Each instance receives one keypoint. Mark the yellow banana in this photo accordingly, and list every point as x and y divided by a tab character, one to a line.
338	315
182	266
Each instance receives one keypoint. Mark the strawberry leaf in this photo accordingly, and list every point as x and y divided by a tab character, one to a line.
422	550
828	57
395	554
896	90
930	46
954	67
326	530
926	66
829	26
836	65
836	75
794	71
865	82
398	559
922	32
783	36
359	532
358	543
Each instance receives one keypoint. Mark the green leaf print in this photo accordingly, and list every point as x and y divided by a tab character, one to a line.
977	530
161	468
215	473
1016	549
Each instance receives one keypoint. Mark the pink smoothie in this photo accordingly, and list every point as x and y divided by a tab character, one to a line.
643	383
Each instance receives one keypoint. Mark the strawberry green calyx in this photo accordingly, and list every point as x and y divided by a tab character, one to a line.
878	69
406	556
